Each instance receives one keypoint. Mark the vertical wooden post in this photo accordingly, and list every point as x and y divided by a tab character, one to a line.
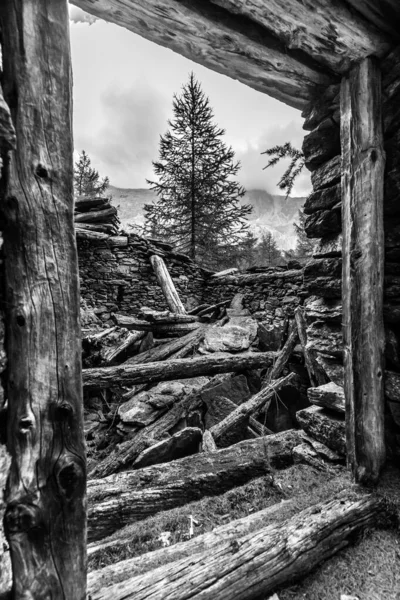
45	518
363	163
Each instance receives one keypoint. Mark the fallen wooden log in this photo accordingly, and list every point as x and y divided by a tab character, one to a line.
285	353
167	285
126	453
329	396
164	351
132	323
127	374
160	329
315	372
84	203
132	496
325	428
242	413
110	355
166	317
97	216
254	565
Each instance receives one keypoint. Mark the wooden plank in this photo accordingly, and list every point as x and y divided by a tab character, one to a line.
363	164
167	285
254	565
330	32
46	508
127	374
221	41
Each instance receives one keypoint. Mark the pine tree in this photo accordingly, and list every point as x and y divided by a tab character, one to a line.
296	165
304	246
86	179
268	251
198	206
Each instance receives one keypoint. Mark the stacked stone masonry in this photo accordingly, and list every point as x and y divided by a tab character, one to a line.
322	275
116	275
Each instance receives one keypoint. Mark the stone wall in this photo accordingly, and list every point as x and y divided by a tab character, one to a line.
116	275
271	297
322	275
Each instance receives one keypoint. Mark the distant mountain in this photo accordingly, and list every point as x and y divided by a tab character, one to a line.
272	213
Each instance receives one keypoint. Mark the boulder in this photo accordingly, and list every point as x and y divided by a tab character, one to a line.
229	338
329	396
326	338
323	223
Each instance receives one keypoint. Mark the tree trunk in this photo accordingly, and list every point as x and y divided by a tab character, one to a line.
45	518
252	406
134	495
167	285
253	566
127	374
363	164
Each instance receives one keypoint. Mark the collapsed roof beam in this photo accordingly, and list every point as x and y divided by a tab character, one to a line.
330	32
229	44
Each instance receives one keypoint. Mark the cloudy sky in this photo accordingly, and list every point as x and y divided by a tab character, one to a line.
123	88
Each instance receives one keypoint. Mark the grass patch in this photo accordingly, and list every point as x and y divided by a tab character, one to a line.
301	483
369	570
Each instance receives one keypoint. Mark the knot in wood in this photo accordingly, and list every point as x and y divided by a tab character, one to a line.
70	479
25	425
63	412
41	171
20	517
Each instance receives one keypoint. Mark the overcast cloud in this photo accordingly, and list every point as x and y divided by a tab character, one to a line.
123	89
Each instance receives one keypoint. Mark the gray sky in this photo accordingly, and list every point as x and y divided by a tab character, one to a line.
123	88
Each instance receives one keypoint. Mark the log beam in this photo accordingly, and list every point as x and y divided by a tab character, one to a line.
167	285
184	368
45	518
222	41
363	163
254	565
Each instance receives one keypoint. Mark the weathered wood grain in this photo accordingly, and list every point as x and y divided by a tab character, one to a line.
256	564
45	517
128	374
132	496
285	353
221	41
384	14
363	164
315	372
330	32
164	351
327	428
7	131
167	285
251	407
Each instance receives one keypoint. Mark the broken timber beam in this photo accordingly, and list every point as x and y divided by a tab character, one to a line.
167	285
131	496
315	372
254	565
363	164
45	518
250	407
184	368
